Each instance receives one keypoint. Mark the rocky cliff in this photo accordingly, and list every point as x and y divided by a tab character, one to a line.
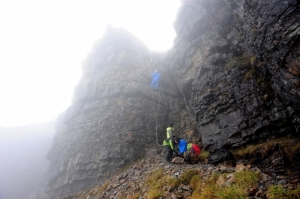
231	78
237	65
114	115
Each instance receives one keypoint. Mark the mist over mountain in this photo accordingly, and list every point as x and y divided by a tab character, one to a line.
230	79
23	151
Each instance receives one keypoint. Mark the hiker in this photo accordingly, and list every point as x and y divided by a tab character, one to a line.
171	146
155	79
182	147
193	151
170	130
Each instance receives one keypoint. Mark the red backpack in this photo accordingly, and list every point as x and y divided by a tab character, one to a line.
196	149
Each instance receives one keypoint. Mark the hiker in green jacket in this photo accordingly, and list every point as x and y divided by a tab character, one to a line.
170	130
171	146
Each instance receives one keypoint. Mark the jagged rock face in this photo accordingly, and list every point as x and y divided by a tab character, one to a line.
114	115
237	66
232	75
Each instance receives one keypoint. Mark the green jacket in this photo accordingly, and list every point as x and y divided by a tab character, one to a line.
170	132
169	142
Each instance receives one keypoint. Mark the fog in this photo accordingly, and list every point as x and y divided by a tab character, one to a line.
44	42
23	151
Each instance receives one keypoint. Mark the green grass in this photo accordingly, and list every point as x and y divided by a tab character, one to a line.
186	177
155	181
173	182
203	156
195	181
289	145
209	188
232	192
278	192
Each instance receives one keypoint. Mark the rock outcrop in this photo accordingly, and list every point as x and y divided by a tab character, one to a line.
231	78
114	115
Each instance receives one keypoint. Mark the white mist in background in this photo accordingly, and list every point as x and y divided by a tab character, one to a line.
23	151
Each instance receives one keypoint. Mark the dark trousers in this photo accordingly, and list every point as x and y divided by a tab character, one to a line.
169	154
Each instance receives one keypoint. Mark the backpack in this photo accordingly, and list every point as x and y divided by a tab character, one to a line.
192	157
219	156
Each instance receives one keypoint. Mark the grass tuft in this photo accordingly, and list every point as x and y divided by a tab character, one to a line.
203	156
209	188
278	192
103	187
154	182
195	182
154	194
246	179
289	145
173	182
232	192
186	177
136	196
209	191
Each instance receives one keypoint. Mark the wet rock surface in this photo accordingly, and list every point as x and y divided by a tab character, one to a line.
236	66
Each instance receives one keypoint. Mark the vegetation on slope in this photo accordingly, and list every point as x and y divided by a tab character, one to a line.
154	179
